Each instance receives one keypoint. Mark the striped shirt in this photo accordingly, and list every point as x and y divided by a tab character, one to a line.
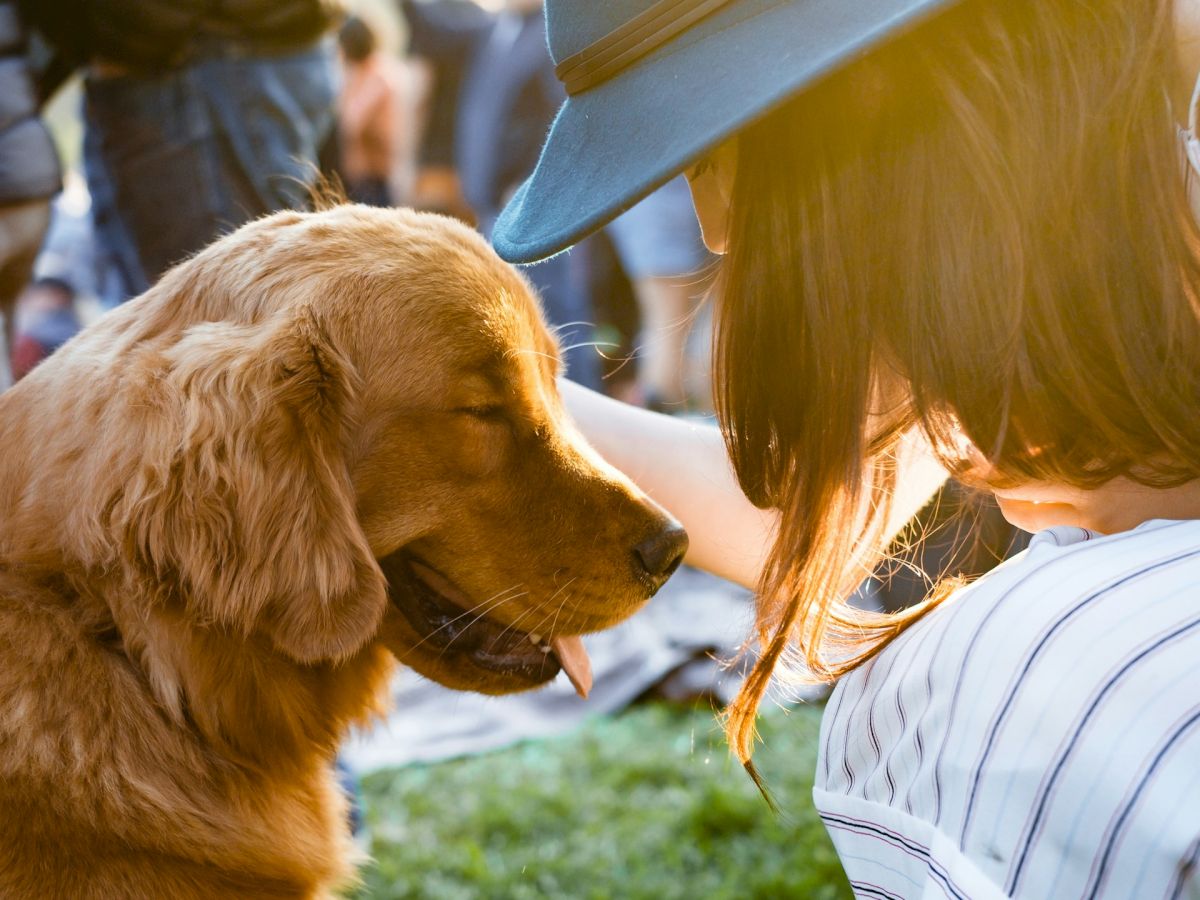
1038	736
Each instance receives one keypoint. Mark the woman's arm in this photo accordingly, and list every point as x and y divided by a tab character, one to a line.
683	466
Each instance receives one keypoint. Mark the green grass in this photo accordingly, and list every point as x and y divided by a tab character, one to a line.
645	805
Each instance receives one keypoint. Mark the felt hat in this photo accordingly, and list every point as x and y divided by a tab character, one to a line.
653	84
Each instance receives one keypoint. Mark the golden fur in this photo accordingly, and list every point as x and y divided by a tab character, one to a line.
195	497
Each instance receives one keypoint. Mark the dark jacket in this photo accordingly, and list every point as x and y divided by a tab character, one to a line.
150	35
509	98
446	34
28	162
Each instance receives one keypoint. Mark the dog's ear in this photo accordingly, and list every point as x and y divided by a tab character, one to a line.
245	500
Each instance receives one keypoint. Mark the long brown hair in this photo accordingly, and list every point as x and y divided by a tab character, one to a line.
982	230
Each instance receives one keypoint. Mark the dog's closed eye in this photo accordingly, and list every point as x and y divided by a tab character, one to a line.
483	410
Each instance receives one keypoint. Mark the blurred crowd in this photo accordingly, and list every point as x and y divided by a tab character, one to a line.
193	117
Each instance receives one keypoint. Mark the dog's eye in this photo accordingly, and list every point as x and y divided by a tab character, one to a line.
483	410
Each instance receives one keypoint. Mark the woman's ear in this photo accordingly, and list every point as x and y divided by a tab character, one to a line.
246	499
711	182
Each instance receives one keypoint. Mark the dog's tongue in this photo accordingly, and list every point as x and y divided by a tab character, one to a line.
575	662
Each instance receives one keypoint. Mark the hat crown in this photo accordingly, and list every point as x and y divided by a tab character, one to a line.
572	25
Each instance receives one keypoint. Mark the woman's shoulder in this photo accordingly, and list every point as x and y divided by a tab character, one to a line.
1070	587
1049	703
1063	612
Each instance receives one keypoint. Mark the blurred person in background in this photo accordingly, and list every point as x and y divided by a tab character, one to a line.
46	319
29	175
69	249
369	110
658	242
200	115
509	97
443	37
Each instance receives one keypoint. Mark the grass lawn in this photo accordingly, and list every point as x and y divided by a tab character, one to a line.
645	805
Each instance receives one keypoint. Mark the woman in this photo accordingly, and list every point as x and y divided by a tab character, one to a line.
958	225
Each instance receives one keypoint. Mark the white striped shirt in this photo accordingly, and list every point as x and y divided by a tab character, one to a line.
1037	737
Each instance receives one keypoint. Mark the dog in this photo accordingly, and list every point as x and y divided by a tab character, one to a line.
327	442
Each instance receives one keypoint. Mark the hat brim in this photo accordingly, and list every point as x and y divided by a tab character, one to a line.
612	145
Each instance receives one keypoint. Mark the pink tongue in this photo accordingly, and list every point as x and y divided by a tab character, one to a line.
575	662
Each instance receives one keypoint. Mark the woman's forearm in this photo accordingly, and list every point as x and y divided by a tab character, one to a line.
683	466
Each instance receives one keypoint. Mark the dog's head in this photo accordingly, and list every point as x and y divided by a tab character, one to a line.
350	431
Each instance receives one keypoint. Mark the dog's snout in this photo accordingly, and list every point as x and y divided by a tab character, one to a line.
659	555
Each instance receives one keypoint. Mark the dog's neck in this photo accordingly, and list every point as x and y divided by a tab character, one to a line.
237	696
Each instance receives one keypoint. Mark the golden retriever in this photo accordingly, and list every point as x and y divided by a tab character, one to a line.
326	441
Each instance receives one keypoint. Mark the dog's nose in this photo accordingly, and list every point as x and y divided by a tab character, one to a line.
661	553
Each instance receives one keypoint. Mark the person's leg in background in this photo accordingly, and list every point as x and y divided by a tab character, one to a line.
661	250
271	116
150	169
118	267
665	304
190	154
22	227
563	284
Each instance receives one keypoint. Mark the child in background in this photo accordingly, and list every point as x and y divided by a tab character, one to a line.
368	116
46	319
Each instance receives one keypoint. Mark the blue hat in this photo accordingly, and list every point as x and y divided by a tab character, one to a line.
653	84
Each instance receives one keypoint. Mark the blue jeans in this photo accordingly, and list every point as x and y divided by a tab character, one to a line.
177	159
562	285
660	237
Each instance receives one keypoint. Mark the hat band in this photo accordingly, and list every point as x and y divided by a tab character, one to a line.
637	38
